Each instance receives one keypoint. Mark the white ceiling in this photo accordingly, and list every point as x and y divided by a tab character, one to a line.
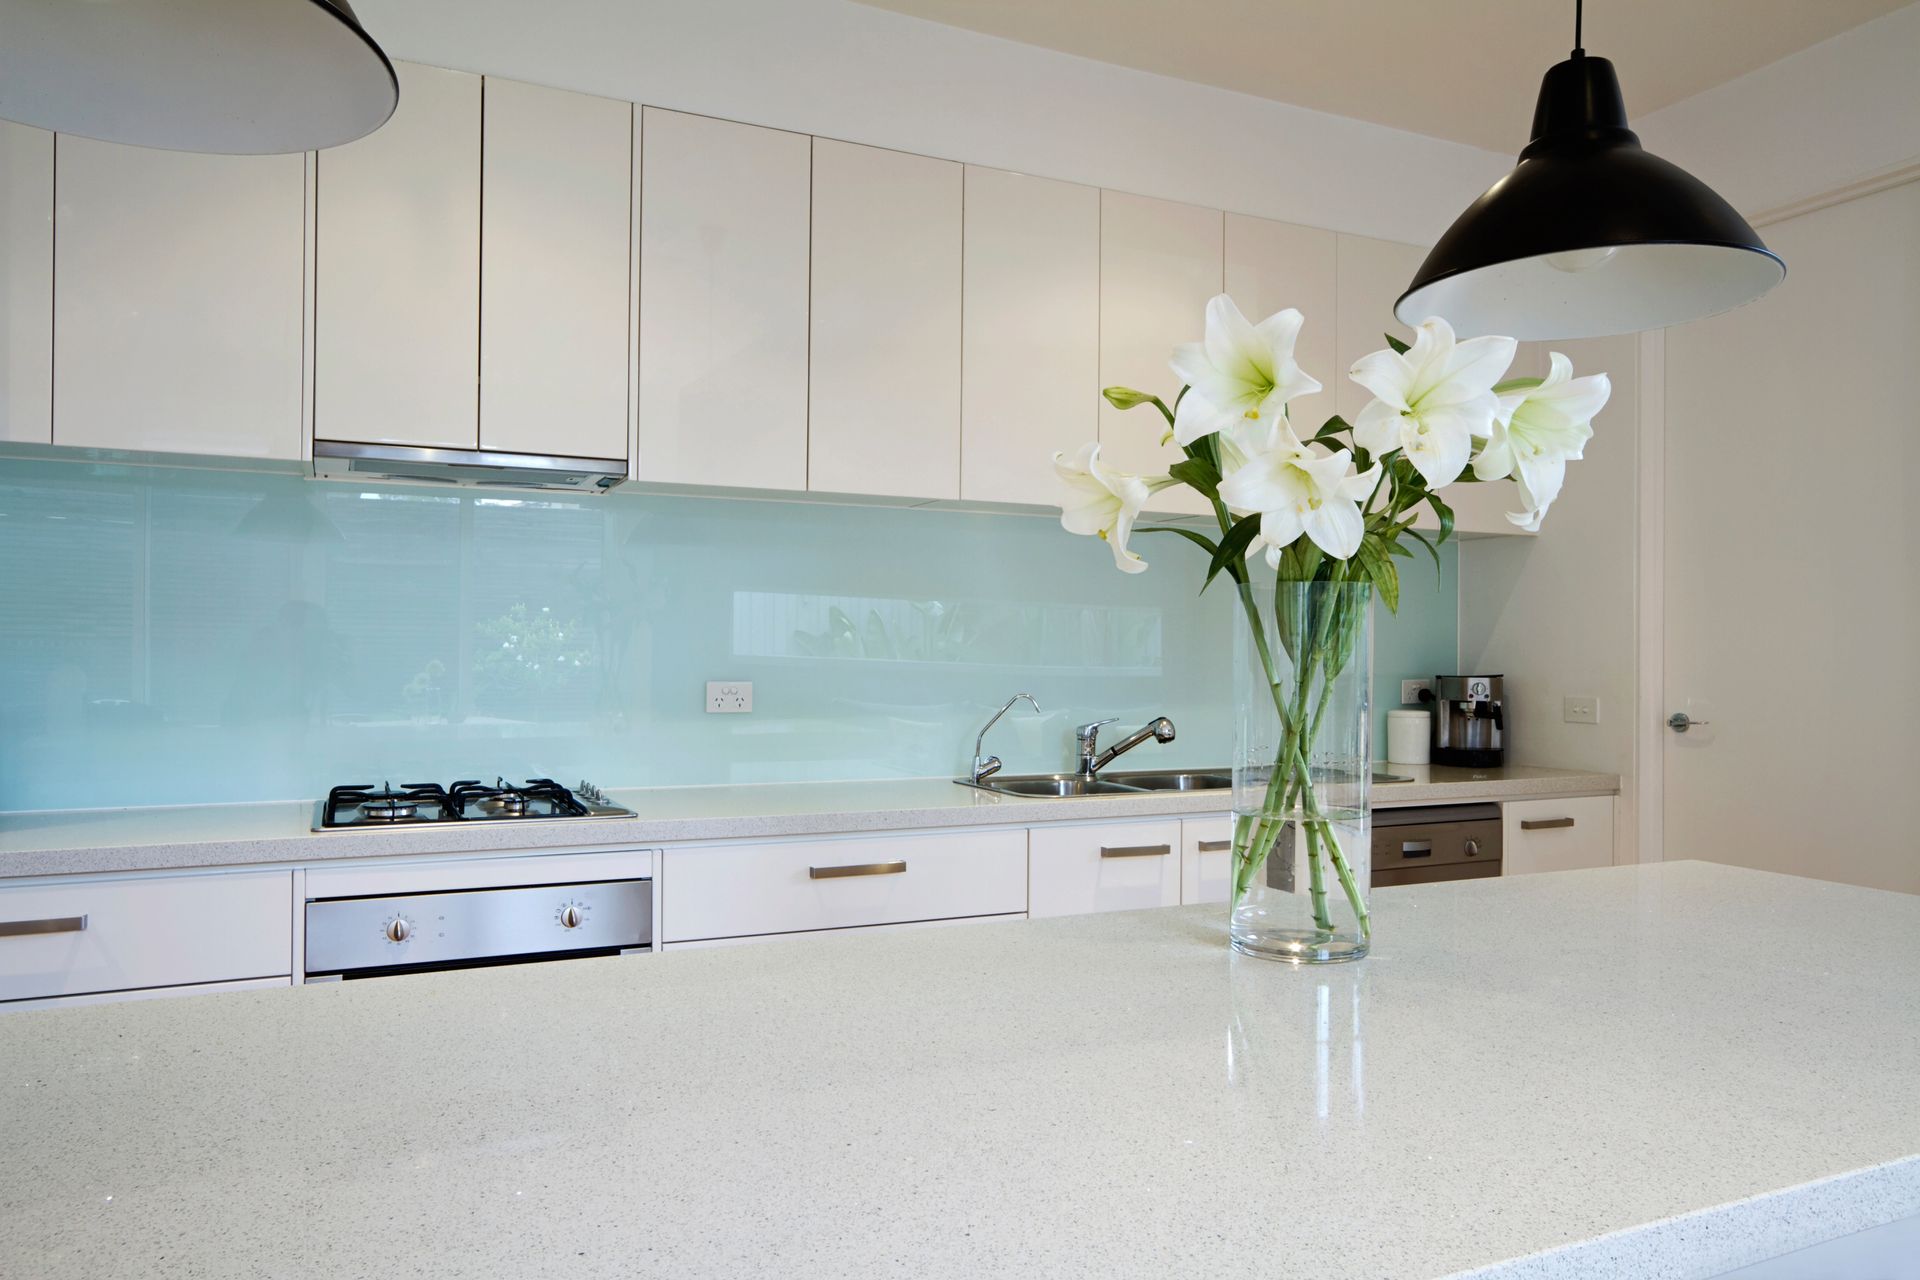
1466	70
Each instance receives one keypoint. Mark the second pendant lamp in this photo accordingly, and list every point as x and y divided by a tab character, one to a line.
1589	235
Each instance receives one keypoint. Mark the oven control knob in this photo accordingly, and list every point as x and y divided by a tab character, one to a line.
570	917
398	930
1473	848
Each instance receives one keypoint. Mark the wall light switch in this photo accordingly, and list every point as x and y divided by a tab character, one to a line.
1410	691
1581	710
729	697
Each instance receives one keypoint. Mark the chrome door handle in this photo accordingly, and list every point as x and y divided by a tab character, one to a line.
1680	722
1135	850
856	869
1215	846
54	924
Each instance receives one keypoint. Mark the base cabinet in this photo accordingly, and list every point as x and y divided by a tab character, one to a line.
1107	866
1206	859
1556	835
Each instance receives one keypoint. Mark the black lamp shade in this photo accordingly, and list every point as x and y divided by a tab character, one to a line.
1589	235
233	76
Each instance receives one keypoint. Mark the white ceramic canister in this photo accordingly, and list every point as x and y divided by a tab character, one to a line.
1409	736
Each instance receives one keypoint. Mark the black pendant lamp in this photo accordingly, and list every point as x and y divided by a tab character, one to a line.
1589	235
234	76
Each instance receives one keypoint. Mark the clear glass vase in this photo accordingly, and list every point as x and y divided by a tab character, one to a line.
1302	841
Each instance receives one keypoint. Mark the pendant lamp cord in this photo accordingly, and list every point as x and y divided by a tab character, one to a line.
1579	47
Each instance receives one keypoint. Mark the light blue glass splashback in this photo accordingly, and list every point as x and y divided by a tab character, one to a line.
179	636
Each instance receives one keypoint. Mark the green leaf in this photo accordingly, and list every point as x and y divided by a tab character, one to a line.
1439	574
1396	344
1232	548
1380	570
1200	540
1516	384
1336	425
1197	474
1445	515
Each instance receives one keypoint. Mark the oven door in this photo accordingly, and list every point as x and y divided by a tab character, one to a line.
368	936
1431	843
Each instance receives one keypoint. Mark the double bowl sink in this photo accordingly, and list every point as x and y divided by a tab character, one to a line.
1060	785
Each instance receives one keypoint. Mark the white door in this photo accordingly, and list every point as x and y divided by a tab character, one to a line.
26	284
397	272
885	385
1031	346
1159	264
1792	565
178	300
556	243
724	249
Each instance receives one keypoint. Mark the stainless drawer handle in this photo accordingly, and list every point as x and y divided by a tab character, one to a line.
55	924
1215	846
1135	850
1544	824
856	869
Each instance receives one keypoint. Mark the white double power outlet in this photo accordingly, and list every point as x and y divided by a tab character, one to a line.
729	697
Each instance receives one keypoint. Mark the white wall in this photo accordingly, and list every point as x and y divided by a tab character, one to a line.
843	70
1800	127
1556	614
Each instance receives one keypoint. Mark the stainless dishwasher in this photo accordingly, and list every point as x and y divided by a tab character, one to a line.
1427	843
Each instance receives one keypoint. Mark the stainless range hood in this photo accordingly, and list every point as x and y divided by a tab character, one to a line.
470	468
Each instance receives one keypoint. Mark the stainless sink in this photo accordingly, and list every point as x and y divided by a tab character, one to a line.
1173	780
1051	784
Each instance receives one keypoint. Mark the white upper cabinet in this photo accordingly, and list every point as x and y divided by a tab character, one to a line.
178	302
1160	263
885	390
26	284
1031	333
397	272
555	255
724	251
1275	265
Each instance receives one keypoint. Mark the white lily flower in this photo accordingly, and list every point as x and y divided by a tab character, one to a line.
1432	401
1297	490
1538	431
1103	502
1241	371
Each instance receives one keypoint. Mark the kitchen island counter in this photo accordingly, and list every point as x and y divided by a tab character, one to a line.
113	841
1627	1071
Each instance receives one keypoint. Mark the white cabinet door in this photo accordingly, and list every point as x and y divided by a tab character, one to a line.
1275	265
1206	859
62	938
178	305
1031	333
397	272
556	244
885	389
1160	262
731	891
1115	866
26	284
724	253
1555	835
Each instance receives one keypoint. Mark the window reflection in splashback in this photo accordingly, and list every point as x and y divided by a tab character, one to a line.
177	636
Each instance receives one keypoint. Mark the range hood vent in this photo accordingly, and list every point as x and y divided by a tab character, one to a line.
468	468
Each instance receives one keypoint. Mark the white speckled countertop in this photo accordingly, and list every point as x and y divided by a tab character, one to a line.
1661	1072
117	840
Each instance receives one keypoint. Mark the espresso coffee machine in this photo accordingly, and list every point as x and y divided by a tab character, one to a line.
1469	722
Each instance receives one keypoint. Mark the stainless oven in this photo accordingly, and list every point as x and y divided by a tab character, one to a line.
372	934
1426	843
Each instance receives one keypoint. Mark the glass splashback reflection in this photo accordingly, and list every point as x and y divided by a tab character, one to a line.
177	636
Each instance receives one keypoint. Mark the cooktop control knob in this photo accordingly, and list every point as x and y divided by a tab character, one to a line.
570	917
398	930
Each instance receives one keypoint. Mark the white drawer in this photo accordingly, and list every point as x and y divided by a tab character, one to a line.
160	932
1108	866
1206	859
1556	835
730	891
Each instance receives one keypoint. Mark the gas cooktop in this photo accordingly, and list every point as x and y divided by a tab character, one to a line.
415	804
